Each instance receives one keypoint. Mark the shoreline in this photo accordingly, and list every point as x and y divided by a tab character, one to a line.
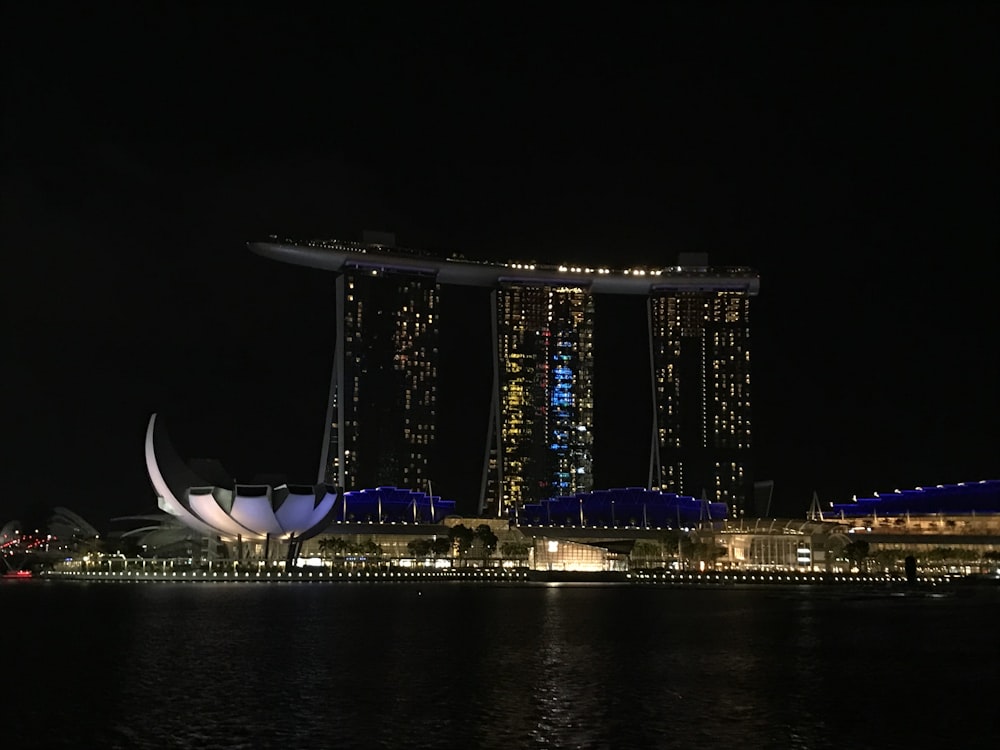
715	580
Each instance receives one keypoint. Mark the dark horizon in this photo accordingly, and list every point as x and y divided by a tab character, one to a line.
848	154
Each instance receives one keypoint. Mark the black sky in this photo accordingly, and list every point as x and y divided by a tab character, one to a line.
847	152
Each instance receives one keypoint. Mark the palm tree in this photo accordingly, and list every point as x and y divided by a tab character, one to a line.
488	539
333	546
515	550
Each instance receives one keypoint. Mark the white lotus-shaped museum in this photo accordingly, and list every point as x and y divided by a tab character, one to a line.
249	512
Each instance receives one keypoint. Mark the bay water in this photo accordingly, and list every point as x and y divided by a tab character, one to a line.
466	665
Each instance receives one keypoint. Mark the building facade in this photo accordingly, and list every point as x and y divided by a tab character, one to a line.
700	351
381	415
541	430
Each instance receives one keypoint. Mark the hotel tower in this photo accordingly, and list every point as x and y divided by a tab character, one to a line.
541	421
380	424
700	354
381	418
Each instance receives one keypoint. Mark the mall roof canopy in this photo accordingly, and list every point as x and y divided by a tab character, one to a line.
964	498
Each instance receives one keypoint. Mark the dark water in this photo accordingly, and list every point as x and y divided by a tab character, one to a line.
478	666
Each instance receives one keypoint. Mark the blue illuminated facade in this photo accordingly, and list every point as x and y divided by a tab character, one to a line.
391	505
541	420
964	498
631	507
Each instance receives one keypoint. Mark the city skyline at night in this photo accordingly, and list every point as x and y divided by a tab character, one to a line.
382	417
425	509
848	154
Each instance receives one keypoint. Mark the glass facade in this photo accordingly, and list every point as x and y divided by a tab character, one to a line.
383	395
700	349
544	402
563	555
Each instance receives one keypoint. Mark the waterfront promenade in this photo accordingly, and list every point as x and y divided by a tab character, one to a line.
712	579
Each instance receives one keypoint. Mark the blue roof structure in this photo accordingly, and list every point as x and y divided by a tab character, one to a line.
964	498
391	505
620	508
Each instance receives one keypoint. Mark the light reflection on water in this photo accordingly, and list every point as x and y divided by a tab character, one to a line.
463	665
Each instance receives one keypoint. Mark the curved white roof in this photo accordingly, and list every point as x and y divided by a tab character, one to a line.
251	512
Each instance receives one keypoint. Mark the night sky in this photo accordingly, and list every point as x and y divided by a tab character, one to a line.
848	153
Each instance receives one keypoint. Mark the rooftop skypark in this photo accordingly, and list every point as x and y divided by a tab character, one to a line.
336	255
